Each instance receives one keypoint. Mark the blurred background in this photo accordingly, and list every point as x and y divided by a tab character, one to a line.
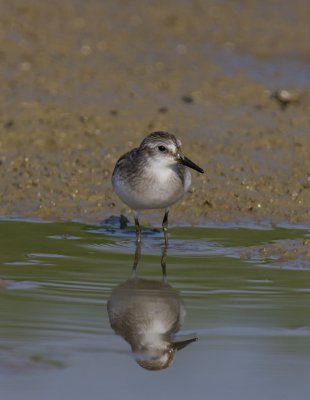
82	82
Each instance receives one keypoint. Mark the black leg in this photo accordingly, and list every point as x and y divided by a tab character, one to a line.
137	227
165	226
163	262
136	259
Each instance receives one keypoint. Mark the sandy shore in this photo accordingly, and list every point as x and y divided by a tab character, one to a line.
83	82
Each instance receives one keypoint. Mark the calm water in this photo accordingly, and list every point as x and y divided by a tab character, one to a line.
252	319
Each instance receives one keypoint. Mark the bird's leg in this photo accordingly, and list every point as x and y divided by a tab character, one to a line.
163	262
137	226
165	226
136	259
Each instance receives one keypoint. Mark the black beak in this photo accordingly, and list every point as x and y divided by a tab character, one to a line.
180	345
186	161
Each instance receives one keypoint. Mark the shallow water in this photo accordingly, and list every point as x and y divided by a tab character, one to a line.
251	318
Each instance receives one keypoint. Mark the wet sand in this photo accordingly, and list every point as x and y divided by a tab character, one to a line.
83	82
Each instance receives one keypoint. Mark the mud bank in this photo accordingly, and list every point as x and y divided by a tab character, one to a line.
81	83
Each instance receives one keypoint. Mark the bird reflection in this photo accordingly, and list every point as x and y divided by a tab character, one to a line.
148	314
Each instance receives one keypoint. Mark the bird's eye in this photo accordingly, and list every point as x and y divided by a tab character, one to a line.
162	148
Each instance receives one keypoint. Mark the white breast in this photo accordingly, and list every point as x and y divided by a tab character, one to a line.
159	187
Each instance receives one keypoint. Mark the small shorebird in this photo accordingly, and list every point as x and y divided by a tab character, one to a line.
149	314
153	176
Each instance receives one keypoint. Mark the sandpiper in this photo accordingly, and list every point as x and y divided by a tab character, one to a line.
149	314
153	176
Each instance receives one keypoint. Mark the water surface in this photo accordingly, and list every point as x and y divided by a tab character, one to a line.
251	318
